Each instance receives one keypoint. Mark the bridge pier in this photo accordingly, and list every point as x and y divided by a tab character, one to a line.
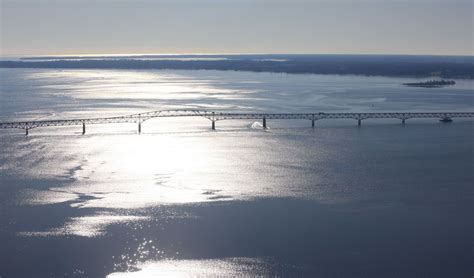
213	125
312	123
83	128
139	127
403	121
359	122
264	121
26	131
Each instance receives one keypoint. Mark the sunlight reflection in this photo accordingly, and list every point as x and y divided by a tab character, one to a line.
125	171
139	173
86	226
231	267
132	85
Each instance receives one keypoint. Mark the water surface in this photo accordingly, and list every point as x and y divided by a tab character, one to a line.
380	200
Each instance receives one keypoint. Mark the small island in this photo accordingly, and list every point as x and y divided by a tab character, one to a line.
431	83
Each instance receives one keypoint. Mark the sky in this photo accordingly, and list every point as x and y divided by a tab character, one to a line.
66	27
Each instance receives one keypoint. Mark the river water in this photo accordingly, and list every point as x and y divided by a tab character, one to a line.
380	200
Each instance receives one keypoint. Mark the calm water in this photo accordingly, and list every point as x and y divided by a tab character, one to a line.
380	200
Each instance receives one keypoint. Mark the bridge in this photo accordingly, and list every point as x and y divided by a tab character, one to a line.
219	116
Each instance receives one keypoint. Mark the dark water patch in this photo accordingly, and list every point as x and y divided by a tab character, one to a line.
302	238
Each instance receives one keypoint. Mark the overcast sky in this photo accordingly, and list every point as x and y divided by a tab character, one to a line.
236	26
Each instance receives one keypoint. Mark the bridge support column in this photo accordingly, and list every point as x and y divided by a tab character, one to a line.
83	128
213	125
264	122
312	123
139	127
403	121
26	131
359	122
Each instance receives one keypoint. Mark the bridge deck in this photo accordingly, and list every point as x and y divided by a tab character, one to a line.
218	116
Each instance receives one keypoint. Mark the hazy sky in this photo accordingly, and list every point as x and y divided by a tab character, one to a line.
236	26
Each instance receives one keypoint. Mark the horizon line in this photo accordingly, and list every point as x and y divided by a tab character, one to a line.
219	53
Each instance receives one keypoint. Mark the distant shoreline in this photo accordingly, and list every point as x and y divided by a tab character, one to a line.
460	67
